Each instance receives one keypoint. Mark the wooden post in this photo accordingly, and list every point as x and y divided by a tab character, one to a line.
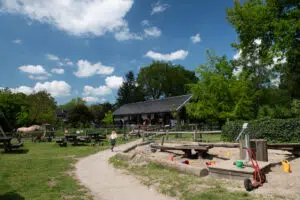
242	149
194	136
162	140
260	149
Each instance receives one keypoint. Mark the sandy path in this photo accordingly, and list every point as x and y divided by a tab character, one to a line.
107	183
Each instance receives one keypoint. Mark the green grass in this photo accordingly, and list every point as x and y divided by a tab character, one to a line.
184	186
43	172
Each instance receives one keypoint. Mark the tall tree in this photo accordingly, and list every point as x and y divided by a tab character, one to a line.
164	79
80	116
129	92
219	94
276	24
14	109
71	104
42	108
98	111
108	119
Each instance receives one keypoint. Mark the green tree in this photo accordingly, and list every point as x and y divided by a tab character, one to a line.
219	94
276	23
98	111
11	107
164	79
71	104
108	119
129	92
42	108
80	116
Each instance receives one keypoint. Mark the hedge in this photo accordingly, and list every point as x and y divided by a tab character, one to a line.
273	130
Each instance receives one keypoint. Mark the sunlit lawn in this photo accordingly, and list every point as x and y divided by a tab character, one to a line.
43	172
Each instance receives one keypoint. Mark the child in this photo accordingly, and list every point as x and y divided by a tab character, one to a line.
113	138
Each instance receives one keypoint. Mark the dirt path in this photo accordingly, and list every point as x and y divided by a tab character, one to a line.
107	183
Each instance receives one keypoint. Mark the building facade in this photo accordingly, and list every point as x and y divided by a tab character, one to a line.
165	111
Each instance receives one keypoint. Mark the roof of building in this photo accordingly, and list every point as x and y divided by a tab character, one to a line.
154	106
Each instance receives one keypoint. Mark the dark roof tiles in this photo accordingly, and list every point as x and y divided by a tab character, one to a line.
153	106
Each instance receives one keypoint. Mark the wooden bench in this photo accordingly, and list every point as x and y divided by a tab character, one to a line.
7	145
62	142
187	149
96	138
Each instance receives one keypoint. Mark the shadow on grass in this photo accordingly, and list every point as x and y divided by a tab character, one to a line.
16	151
11	196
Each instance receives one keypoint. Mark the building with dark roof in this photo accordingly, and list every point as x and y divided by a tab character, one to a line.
153	111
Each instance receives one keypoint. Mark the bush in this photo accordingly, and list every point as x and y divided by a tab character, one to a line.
273	130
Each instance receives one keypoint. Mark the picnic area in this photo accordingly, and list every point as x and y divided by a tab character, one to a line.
150	100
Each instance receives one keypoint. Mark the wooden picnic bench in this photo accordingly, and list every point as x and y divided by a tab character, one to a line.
62	142
96	137
7	145
187	149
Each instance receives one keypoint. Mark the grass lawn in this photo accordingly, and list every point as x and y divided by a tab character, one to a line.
184	186
43	172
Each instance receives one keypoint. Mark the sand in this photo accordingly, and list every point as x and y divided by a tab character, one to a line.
107	183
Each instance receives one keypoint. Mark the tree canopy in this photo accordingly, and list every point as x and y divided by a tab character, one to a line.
164	79
130	92
275	25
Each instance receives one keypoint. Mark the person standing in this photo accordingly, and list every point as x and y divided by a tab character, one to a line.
113	139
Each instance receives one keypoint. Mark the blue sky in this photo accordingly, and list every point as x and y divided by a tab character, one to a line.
83	49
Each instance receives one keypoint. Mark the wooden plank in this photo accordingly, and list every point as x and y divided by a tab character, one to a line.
183	147
228	145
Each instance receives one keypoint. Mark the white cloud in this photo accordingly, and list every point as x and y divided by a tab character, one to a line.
76	17
102	90
34	77
22	89
17	41
91	99
176	55
158	8
86	69
125	34
114	82
33	69
55	88
196	38
58	70
145	23
52	57
60	64
70	63
152	32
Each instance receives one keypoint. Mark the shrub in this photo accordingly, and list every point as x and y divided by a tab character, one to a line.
273	130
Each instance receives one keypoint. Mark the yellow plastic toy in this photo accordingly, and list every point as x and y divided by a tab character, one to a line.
286	166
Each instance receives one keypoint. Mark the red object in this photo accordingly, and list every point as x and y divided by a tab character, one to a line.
258	177
210	163
171	158
186	162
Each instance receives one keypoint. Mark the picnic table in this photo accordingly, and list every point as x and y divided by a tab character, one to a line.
7	145
96	137
74	138
187	149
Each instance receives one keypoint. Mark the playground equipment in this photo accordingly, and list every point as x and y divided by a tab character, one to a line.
258	177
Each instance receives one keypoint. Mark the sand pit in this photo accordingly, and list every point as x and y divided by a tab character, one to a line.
278	182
